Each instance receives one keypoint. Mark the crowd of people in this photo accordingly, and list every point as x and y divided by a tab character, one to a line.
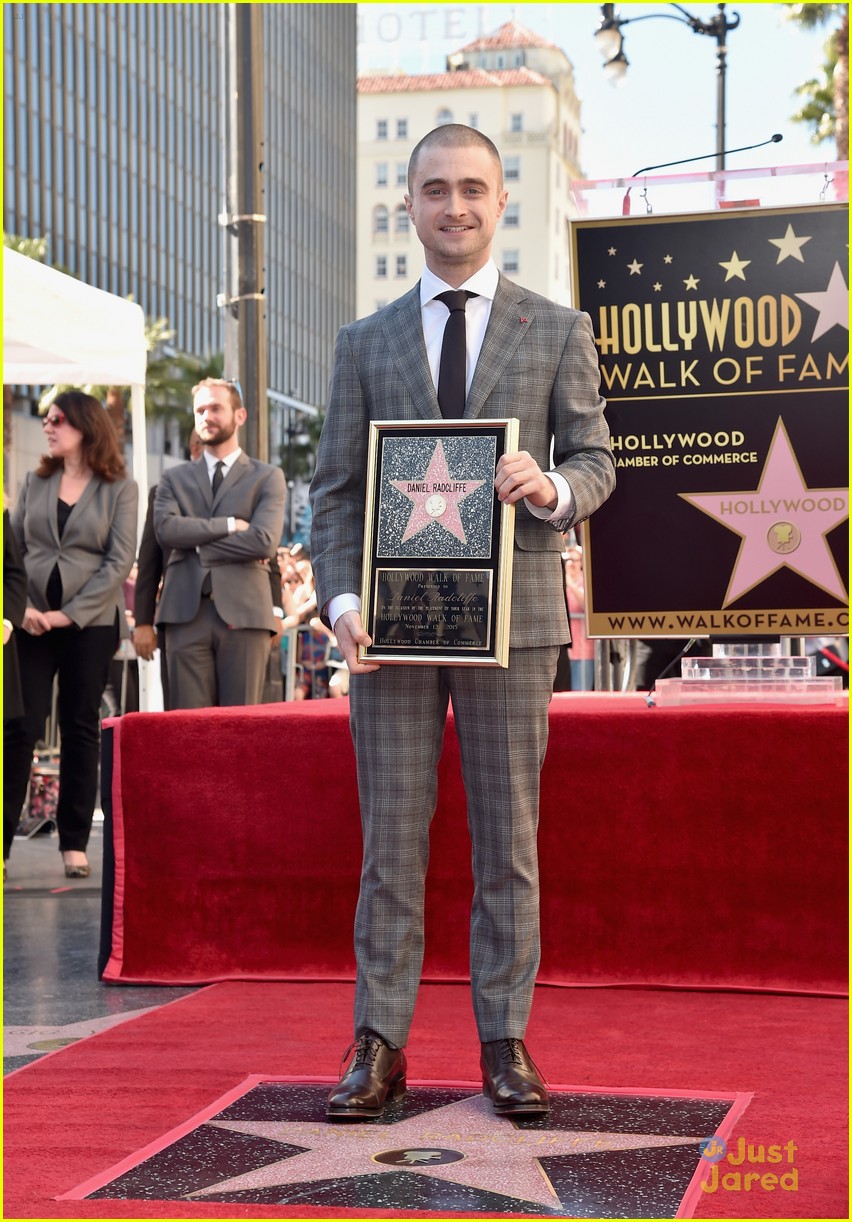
210	588
82	605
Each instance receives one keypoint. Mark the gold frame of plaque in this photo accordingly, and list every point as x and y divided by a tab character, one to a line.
436	583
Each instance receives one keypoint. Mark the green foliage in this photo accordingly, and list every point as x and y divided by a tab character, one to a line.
810	16
33	248
817	108
824	106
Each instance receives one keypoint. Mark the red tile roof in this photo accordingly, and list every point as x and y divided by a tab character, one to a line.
509	36
470	78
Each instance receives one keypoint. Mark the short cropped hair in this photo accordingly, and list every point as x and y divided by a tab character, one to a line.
454	135
233	387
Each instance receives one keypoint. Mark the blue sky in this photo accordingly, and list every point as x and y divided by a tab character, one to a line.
667	107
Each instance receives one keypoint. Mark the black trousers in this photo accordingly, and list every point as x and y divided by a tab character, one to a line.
81	658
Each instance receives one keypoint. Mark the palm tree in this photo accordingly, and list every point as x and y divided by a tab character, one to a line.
33	248
169	378
825	102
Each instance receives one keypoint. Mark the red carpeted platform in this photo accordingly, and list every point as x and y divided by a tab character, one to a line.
76	1114
684	847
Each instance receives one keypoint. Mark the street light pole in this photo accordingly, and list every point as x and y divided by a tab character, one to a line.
243	221
611	44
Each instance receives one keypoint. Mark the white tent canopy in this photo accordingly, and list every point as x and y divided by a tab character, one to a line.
57	329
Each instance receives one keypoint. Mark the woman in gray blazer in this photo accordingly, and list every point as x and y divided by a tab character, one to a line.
75	521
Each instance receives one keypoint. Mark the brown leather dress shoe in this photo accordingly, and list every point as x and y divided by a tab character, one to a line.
375	1076
511	1080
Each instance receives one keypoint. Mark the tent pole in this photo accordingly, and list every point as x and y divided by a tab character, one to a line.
140	452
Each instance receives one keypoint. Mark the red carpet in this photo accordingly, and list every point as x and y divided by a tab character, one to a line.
77	1113
698	847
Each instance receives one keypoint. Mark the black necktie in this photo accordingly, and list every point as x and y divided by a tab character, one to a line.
453	368
218	476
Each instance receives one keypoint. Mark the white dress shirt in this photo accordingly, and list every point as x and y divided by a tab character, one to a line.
434	315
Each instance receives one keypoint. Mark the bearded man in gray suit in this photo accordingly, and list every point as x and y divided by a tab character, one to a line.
221	518
534	360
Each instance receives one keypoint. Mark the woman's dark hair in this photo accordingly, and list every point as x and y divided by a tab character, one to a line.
100	441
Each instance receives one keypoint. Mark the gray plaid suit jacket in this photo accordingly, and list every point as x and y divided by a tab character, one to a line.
538	362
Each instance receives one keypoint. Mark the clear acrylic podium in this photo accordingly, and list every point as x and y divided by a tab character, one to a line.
750	672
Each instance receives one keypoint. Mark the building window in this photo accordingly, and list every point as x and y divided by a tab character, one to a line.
512	216
381	129
381	267
444	116
380	219
402	129
402	173
512	169
402	265
403	221
381	174
511	262
516	123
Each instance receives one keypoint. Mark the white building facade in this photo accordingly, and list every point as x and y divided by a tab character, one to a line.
516	88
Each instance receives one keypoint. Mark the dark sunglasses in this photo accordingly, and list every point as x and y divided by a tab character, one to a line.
56	420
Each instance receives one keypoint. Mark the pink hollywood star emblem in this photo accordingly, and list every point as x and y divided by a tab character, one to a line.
783	522
436	497
832	304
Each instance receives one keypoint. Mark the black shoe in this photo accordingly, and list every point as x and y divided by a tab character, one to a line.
375	1076
511	1080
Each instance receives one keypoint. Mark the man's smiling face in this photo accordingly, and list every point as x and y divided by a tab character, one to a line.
456	200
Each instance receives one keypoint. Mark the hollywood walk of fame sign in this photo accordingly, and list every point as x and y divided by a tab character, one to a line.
437	575
723	341
598	1154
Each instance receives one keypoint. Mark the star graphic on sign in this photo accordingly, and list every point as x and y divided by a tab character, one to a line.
735	266
781	523
789	247
657	287
667	258
635	268
602	284
832	303
612	251
436	497
462	1143
691	282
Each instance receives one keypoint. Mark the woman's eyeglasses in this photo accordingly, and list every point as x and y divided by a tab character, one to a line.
54	421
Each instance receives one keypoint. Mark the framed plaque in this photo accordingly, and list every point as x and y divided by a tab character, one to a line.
436	583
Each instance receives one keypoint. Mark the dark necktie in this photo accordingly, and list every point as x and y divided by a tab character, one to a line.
453	368
218	476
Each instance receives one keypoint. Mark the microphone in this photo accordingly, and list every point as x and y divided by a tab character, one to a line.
625	206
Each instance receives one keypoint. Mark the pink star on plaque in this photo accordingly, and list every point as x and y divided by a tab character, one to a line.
436	497
782	522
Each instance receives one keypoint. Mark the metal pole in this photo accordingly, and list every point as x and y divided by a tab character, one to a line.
721	43
246	355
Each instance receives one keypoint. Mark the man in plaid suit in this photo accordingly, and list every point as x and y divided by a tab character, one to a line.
534	360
